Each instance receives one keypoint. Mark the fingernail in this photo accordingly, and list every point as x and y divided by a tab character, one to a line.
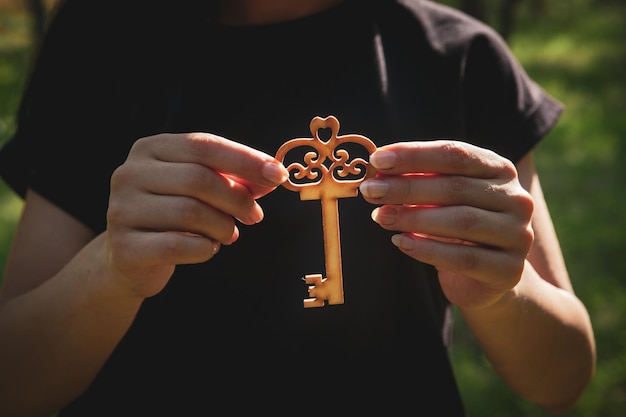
216	247
383	159
403	242
234	237
255	216
275	173
385	215
374	188
259	215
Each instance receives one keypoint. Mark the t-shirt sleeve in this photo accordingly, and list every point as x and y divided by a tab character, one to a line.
62	144
505	110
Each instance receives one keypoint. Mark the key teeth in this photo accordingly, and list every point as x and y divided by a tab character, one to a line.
315	291
315	281
313	302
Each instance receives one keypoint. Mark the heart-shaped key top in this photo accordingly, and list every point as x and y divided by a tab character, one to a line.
327	174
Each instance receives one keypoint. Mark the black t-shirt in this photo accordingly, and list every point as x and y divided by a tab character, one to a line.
232	332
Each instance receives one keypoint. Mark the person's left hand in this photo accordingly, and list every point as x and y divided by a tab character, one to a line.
461	209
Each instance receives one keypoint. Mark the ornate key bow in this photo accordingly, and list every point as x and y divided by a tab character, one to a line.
331	175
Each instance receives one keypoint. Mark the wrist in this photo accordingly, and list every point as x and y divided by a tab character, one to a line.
108	284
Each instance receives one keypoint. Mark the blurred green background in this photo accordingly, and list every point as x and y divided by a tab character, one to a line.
576	49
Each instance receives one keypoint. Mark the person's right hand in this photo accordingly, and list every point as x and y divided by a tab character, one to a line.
175	201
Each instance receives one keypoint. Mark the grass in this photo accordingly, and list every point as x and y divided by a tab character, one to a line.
15	53
575	51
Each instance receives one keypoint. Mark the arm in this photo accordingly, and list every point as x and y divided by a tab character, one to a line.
60	315
68	297
483	223
543	315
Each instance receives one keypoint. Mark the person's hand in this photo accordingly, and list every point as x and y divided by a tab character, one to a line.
461	209
176	199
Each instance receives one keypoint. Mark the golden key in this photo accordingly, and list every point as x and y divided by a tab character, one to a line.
331	175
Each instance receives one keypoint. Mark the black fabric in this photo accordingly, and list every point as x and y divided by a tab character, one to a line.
232	333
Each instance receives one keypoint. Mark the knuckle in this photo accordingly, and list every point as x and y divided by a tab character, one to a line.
523	202
455	185
189	211
115	211
529	235
198	177
244	202
200	143
141	143
515	270
223	231
464	219
457	155
118	211
526	237
466	259
145	144
508	168
170	247
121	175
406	189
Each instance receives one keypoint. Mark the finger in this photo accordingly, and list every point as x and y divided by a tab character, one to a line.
464	223
482	264
441	157
218	153
148	249
178	214
440	190
201	183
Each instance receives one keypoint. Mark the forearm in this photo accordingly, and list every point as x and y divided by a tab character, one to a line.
55	338
539	339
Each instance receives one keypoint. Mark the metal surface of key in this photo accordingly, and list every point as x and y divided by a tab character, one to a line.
331	175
